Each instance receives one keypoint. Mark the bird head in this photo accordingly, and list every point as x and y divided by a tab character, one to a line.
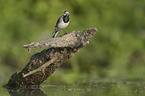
66	13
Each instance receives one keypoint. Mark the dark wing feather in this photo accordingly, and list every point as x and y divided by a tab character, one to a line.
55	32
58	21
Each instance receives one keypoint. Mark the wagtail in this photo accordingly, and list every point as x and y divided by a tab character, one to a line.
61	23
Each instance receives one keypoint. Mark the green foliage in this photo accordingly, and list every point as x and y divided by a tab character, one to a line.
116	51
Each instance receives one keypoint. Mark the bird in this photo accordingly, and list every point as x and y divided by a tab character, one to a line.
61	23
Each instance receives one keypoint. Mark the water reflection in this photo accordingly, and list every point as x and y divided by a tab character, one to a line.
127	88
26	92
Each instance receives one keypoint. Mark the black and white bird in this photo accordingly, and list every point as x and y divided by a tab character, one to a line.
62	22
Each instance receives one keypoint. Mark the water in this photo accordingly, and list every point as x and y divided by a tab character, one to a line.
123	88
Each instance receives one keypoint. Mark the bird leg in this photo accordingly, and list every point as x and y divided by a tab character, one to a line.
64	32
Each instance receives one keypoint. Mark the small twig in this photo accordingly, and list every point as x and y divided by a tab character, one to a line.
41	68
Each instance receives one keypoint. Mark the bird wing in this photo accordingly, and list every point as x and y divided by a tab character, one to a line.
58	21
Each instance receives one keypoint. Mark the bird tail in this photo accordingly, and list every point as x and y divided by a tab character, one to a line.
55	32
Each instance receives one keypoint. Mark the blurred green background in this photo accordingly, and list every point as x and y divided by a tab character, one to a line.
117	51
